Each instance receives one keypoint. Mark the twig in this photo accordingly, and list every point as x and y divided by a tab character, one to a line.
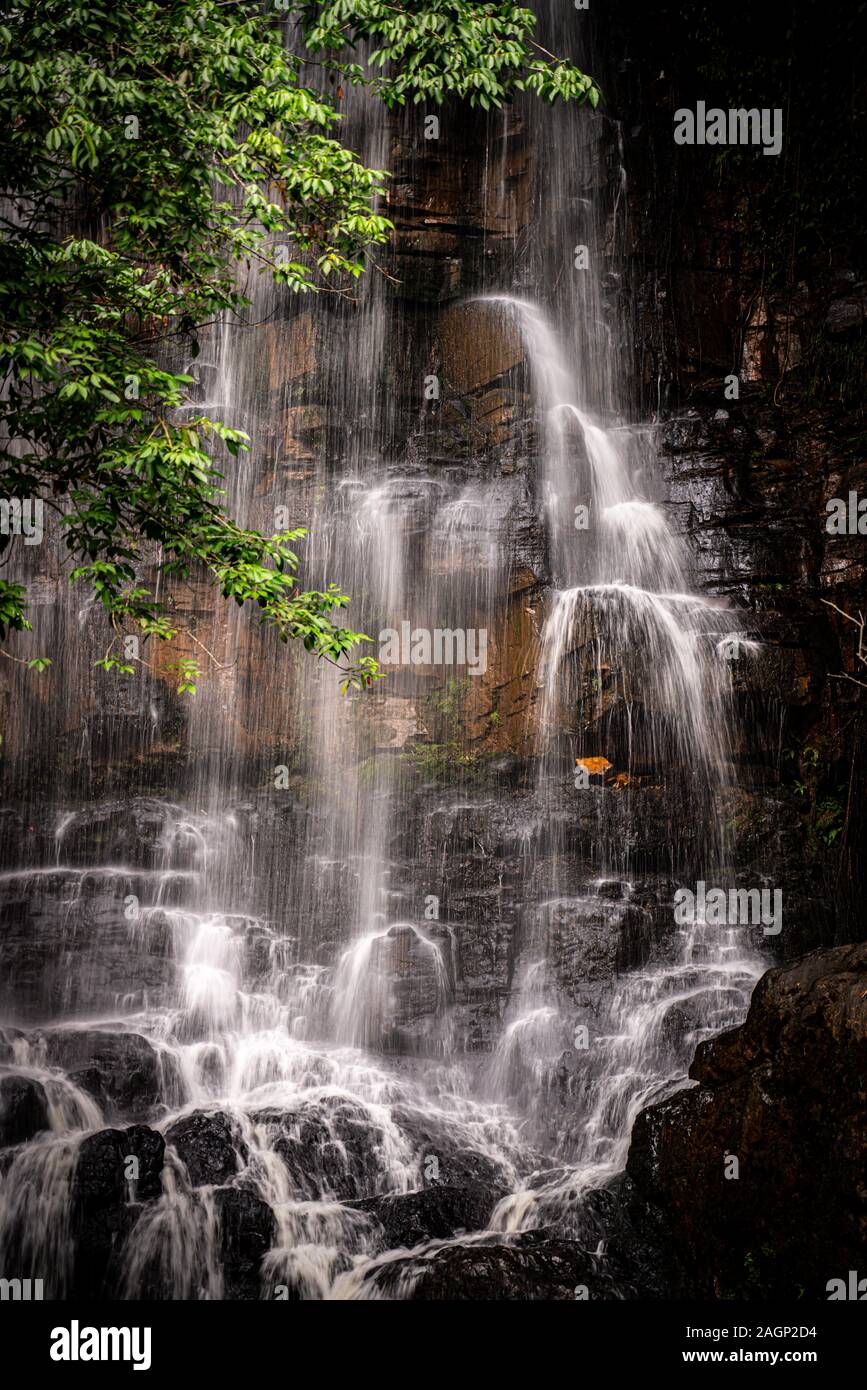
860	654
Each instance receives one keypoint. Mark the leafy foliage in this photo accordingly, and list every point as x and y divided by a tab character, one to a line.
479	52
148	150
126	117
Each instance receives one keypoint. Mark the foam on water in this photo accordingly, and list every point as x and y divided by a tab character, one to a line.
292	1031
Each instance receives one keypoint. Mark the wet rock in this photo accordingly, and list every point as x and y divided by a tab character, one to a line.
105	1202
594	938
148	1147
302	430
23	1109
684	1018
430	279
103	1162
247	1230
632	1238
444	232
784	1096
531	1267
331	1148
99	1169
100	1219
479	344
456	1165
120	1070
802	1017
462	826
210	1145
129	831
611	889
408	973
8	1038
436	1213
291	348
485	933
66	947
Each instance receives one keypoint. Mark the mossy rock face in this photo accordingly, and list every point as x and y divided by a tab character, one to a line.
442	762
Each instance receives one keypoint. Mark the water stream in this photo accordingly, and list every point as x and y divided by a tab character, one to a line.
296	977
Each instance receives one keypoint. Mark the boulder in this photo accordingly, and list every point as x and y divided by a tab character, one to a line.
105	1204
758	1170
148	1147
631	1235
247	1230
23	1109
408	1219
99	1176
456	1166
531	1267
210	1146
331	1148
121	1071
103	1162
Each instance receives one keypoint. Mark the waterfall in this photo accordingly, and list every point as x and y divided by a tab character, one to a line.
337	951
653	648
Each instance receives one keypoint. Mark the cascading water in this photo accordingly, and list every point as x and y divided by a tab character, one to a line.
637	656
635	631
278	972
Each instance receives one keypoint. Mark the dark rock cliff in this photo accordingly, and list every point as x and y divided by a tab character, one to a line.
749	268
752	268
757	1173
